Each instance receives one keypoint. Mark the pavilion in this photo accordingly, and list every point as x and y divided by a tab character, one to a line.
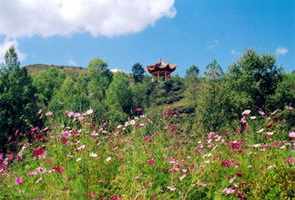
161	70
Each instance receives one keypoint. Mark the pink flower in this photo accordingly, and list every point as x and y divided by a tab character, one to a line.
291	160
236	145
292	135
58	169
39	152
19	181
151	162
147	138
116	197
228	163
228	191
246	113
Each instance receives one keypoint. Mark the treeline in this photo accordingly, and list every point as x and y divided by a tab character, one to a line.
254	82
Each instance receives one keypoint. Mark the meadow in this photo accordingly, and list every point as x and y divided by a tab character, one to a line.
213	136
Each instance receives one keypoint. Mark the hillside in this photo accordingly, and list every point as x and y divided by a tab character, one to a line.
36	68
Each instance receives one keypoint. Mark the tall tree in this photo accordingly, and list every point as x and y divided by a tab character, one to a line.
18	101
214	71
254	77
138	72
119	98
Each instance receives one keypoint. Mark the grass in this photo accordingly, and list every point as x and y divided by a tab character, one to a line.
148	160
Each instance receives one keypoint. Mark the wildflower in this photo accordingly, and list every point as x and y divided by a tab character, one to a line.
49	114
80	148
171	188
236	145
253	117
147	138
39	152
291	160
246	112
89	112
116	197
260	131
94	134
228	163
19	181
78	159
151	162
37	171
261	113
269	134
292	135
109	159
93	155
58	169
228	191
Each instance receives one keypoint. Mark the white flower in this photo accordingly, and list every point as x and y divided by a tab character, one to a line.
93	155
109	159
260	131
253	117
89	112
246	112
78	159
171	188
132	122
81	147
269	133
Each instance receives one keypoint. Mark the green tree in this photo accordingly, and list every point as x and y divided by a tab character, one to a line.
192	83
284	94
71	96
18	101
214	71
47	83
99	79
252	80
211	99
119	98
138	72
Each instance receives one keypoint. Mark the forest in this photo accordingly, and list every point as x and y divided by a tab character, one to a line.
90	133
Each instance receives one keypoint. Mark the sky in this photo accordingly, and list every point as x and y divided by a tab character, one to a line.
123	32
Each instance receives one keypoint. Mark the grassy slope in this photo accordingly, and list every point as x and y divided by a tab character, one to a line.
165	165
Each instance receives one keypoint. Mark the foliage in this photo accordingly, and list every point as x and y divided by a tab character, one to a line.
284	94
71	96
252	80
47	83
138	72
119	98
18	101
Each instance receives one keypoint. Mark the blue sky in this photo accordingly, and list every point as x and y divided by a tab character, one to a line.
200	31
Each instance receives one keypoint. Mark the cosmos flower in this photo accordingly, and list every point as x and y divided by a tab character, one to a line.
19	181
228	191
292	135
151	162
246	113
39	152
58	169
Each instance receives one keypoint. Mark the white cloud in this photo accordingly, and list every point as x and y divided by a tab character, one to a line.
19	18
281	51
5	45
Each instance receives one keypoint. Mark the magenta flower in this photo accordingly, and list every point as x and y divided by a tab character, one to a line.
58	169
116	197
228	163
151	162
19	181
291	160
236	145
39	152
